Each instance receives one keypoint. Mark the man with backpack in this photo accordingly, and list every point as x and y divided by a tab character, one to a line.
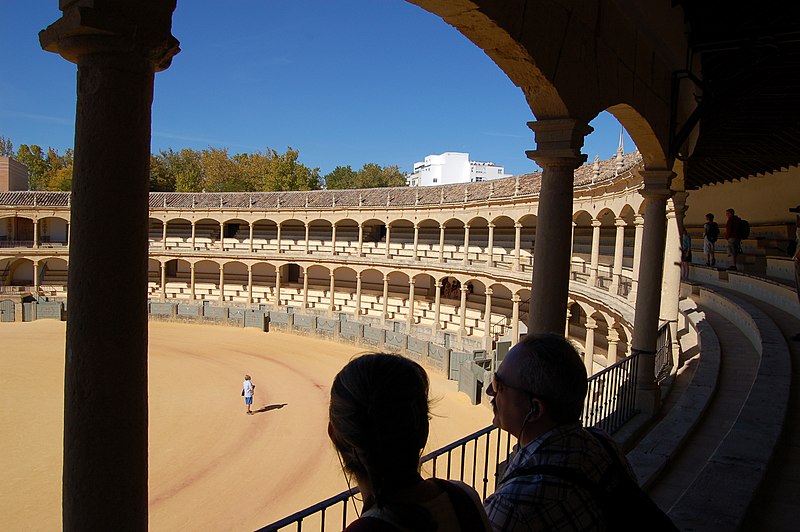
710	236
561	475
734	237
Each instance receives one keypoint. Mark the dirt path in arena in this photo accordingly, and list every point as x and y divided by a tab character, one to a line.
211	466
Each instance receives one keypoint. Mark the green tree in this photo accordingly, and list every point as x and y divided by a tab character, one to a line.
33	157
6	147
286	173
373	175
341	177
220	172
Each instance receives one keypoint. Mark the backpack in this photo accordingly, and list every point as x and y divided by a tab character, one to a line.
744	229
712	233
626	507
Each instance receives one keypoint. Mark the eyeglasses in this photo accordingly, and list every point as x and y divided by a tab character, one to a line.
497	382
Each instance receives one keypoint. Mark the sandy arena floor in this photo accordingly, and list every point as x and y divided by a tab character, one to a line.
211	466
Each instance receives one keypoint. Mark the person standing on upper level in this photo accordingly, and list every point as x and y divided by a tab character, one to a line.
733	237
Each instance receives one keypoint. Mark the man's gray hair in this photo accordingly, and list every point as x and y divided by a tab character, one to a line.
553	371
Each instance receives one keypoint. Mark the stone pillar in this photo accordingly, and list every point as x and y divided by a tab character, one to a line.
360	239
619	244
68	232
333	239
656	191
104	480
278	286
35	233
358	294
385	313
388	237
332	290
410	316
164	235
595	258
671	283
36	277
613	341
250	247
487	320
221	283
278	238
558	154
441	242
194	227
308	227
490	247
466	244
462	311
416	242
191	280
588	356
566	327
222	236
305	288
250	280
437	307
163	280
517	245
638	224
515	319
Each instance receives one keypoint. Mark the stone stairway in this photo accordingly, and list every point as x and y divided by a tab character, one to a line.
723	454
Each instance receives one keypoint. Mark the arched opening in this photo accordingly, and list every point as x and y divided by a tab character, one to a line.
206	234
318	287
527	240
234	279
206	280
53	273
53	232
263	281
453	249
179	234
502	244
478	240
265	235
344	289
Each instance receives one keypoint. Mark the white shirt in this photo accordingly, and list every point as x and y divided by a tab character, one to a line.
248	386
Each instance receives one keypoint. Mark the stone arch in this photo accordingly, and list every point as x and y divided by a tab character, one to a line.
206	233
18	272
318	286
179	233
320	235
527	240
643	135
53	231
265	235
428	245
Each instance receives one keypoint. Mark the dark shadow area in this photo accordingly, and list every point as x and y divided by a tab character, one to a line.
267	408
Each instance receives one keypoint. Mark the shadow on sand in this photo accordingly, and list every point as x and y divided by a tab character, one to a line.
267	408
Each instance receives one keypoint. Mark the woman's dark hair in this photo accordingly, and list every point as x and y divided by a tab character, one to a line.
379	421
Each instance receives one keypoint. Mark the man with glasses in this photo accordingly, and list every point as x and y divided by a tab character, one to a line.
537	395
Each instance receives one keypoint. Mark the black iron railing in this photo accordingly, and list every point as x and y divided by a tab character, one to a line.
664	362
476	459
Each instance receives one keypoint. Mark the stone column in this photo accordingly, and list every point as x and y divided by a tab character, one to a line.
517	245
595	257
385	313
588	356
638	224
164	235
305	288
487	320
221	283
490	247
36	277
619	243
410	316
388	236
441	242
515	319
360	239
566	326
35	233
466	244
572	245
358	294
250	247
332	290
613	341
333	239
104	480
250	281
278	286
671	283
437	307
163	280
558	154
416	242
222	236
191	280
462	311
308	227
278	238
656	191
194	227
68	232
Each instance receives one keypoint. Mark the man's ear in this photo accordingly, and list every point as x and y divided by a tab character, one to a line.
537	408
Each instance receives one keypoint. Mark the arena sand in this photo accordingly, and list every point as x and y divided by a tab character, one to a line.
212	467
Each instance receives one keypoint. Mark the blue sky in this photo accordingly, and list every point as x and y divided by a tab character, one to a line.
344	82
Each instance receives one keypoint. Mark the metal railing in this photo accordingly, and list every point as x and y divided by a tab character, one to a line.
476	459
664	362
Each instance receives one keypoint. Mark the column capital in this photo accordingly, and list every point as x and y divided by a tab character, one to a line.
591	323
613	335
638	220
438	283
489	292
596	222
517	225
620	222
656	183
412	281
559	142
491	225
466	226
515	298
416	225
464	289
143	34
358	276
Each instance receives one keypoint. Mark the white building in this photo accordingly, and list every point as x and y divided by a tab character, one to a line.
452	167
